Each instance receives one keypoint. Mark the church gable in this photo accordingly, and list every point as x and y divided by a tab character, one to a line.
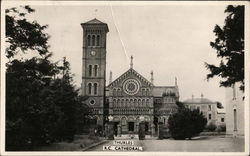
130	74
130	83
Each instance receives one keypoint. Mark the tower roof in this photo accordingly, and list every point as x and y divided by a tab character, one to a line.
94	21
95	24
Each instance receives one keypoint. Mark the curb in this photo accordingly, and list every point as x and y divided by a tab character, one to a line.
93	145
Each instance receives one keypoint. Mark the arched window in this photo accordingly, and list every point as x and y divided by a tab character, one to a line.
114	103
139	102
89	88
122	103
135	102
95	70
90	70
143	103
95	88
93	40
147	102
143	91
119	92
131	102
127	103
98	40
114	92
118	103
89	38
147	92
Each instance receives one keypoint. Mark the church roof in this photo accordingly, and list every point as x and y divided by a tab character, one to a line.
95	24
198	101
131	70
94	21
159	90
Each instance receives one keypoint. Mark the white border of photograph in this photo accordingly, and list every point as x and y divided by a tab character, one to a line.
44	3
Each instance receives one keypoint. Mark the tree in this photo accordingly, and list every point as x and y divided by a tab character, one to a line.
186	123
219	105
180	104
229	46
42	104
23	35
30	109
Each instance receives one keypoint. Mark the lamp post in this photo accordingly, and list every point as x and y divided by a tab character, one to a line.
110	128
141	128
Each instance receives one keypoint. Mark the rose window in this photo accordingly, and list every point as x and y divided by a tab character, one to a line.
131	86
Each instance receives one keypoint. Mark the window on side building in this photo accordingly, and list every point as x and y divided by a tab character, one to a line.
222	119
209	116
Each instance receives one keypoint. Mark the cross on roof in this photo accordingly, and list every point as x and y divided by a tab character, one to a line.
131	62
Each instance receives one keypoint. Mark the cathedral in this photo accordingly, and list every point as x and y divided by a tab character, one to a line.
130	97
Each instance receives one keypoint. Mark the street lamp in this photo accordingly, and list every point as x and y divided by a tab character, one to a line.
110	128
142	118
110	118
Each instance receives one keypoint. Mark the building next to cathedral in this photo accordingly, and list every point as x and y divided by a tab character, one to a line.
208	108
127	99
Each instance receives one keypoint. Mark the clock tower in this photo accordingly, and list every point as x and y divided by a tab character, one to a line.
94	66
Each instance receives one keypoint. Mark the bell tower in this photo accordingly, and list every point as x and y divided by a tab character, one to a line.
94	66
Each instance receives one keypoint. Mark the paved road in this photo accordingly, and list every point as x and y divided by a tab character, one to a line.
203	144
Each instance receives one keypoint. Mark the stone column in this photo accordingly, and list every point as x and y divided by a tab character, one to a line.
106	130
152	130
119	130
110	131
136	127
160	131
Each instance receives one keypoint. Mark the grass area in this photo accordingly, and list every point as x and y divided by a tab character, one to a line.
80	142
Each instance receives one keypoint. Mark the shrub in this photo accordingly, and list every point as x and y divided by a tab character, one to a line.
211	127
186	123
221	128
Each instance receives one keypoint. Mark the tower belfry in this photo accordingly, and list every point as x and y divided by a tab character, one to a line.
94	65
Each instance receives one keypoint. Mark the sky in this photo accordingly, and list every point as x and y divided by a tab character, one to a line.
170	40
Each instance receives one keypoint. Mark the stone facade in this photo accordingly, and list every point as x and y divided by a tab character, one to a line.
235	111
94	66
130	97
221	117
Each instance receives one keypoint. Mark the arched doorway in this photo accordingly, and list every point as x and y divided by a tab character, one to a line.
156	123
131	125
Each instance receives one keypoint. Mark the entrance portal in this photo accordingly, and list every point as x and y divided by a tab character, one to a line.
146	126
131	126
116	128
